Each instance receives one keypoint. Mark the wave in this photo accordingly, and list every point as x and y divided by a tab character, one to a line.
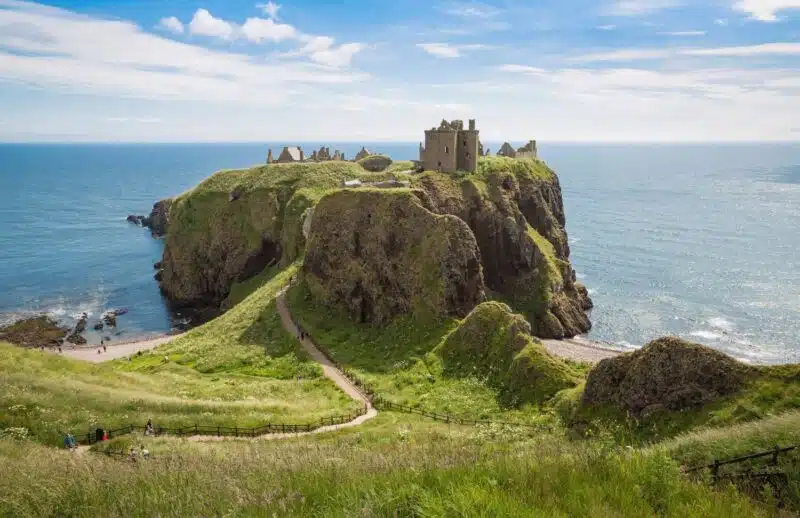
721	323
708	335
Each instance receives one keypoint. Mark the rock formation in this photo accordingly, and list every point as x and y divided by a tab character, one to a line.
667	373
494	344
375	163
380	255
157	220
511	208
213	242
34	332
515	210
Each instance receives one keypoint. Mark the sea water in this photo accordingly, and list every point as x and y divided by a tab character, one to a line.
698	241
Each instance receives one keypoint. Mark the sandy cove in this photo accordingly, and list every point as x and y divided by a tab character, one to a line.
114	351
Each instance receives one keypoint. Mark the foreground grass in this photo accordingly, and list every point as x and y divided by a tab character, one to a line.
241	369
396	467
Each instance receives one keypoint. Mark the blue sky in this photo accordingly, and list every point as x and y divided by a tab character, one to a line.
234	70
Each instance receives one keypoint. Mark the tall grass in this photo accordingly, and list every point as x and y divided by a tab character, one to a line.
418	470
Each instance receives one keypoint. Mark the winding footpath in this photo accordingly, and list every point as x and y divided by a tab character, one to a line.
330	372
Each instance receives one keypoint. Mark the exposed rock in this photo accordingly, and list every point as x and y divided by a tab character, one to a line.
375	163
158	265
76	338
380	254
307	218
516	213
213	243
34	332
80	326
159	276
494	344
667	373
98	326
159	218
110	319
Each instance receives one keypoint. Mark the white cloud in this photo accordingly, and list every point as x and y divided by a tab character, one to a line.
721	22
765	10
640	7
441	50
204	24
66	52
471	10
606	27
774	49
270	9
340	56
172	24
683	33
258	30
765	49
449	51
622	55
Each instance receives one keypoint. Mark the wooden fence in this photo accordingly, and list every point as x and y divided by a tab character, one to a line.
772	454
227	431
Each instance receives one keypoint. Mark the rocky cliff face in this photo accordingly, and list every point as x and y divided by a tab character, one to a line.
501	228
380	254
515	210
236	223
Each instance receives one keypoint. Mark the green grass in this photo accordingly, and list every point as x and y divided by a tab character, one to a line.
397	466
240	369
401	362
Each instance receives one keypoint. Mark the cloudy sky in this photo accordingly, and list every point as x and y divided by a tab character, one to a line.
555	70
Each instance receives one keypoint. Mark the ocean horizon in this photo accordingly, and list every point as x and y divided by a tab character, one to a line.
696	240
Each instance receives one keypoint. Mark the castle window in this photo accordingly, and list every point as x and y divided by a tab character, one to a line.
468	155
465	142
446	150
439	164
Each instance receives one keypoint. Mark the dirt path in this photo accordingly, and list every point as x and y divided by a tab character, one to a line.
90	354
580	349
330	372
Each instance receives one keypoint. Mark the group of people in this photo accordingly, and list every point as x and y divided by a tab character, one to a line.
133	454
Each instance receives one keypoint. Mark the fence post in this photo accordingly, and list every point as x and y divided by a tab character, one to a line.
775	455
217	430
195	429
236	431
715	470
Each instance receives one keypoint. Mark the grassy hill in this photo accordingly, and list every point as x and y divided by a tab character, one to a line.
239	370
396	466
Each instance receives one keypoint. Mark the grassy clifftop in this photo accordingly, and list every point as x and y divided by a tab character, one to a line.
236	223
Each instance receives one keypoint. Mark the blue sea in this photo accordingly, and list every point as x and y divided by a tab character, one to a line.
699	241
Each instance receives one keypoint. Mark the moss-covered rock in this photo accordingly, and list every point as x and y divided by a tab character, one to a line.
515	210
34	332
668	373
375	163
236	223
495	344
379	254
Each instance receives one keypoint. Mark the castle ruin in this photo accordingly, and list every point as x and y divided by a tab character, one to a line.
450	147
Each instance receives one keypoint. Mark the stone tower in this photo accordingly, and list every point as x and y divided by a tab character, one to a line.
450	148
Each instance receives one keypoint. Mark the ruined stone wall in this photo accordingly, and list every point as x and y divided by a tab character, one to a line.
441	150
468	150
